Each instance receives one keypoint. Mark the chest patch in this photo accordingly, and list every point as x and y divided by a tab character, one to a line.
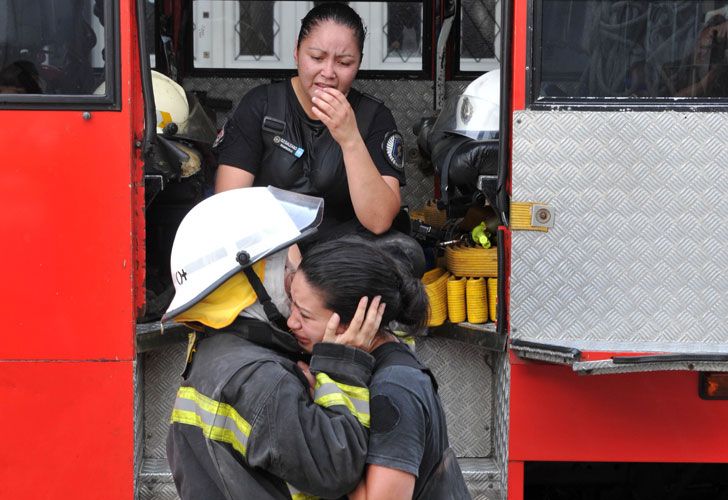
393	149
288	146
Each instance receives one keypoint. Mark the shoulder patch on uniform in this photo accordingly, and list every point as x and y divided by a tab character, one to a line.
220	137
393	149
385	415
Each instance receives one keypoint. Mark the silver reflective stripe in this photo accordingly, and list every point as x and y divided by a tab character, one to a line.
218	421
331	388
328	393
206	260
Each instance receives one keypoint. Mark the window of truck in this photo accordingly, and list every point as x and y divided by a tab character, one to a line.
57	54
479	36
637	51
261	35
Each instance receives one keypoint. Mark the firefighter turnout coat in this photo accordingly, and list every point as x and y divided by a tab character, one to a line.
244	424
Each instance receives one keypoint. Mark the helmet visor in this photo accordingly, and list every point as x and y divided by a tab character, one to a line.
258	221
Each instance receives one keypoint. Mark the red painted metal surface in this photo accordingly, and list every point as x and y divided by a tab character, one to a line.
67	245
68	430
520	46
557	415
136	103
67	230
515	480
72	206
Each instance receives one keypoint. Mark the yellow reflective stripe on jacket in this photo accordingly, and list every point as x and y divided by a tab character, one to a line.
218	421
299	495
328	392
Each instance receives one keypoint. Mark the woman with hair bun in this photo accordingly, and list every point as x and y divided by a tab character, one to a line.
409	455
315	134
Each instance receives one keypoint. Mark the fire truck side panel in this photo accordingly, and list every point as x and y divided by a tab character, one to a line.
67	430
67	240
67	357
67	243
515	480
637	255
518	55
557	415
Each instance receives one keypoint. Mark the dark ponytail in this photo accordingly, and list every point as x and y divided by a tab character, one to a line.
413	308
344	270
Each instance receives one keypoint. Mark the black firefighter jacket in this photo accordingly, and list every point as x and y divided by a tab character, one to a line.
244	425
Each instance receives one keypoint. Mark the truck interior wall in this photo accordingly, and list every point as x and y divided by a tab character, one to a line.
472	386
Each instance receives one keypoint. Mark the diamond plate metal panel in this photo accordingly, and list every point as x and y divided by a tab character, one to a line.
138	422
153	490
501	418
465	378
162	371
482	477
638	255
156	481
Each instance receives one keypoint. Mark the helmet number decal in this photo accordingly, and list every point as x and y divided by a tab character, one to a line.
181	276
393	149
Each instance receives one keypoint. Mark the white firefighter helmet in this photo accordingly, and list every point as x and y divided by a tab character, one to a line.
232	230
171	103
475	113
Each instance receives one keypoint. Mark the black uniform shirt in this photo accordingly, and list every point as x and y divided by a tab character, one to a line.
408	430
241	145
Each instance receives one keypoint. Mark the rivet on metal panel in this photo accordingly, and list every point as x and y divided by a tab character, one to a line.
542	216
86	115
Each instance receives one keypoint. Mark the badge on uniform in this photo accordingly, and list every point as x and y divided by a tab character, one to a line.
288	146
393	149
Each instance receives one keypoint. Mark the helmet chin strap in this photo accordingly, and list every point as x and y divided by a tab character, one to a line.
271	311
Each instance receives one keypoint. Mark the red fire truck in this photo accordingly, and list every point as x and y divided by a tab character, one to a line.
605	374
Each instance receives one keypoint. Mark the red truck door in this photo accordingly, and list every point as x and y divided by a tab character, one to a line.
67	143
618	289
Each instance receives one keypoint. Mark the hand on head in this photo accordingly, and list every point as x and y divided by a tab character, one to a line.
363	327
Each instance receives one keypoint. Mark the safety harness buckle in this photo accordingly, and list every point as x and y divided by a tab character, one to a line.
273	125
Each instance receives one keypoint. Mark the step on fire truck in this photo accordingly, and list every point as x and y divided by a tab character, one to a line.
605	372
